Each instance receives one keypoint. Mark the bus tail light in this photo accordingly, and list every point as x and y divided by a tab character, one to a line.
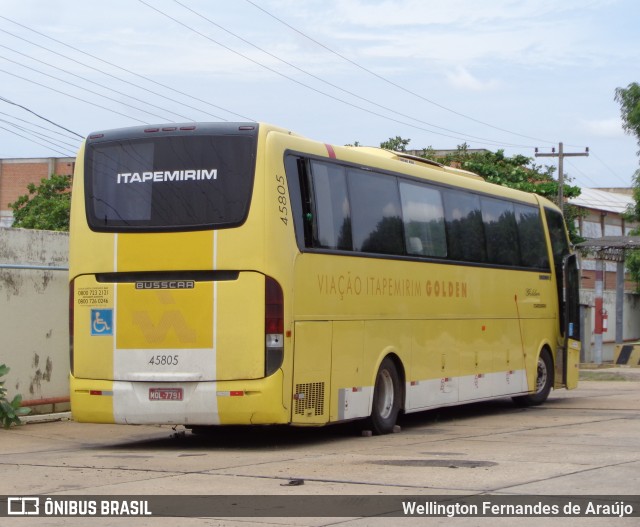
273	326
71	314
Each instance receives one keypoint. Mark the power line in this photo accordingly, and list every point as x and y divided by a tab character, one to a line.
66	154
86	80
307	85
40	135
63	81
71	96
152	81
626	183
31	123
84	64
390	82
328	83
39	116
593	181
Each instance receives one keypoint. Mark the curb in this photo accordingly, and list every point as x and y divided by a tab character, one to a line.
45	418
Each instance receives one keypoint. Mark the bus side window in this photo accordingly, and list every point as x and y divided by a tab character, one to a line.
307	217
296	169
557	233
377	218
423	217
500	231
559	249
331	209
533	248
465	231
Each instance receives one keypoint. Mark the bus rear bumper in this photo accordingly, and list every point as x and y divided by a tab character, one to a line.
247	402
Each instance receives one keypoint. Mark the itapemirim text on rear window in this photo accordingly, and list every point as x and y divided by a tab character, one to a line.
169	182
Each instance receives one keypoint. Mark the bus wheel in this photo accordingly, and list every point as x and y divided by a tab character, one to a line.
386	398
544	382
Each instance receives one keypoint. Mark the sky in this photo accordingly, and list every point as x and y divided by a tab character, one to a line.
497	74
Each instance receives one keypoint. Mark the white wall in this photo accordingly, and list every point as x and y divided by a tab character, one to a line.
34	328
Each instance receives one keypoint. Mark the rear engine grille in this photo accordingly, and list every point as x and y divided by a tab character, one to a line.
308	397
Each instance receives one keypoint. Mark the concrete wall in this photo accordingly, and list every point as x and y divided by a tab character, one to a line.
34	328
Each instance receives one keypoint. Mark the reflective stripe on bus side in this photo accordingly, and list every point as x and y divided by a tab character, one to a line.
432	393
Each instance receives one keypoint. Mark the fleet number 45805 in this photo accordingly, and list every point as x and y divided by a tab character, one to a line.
164	360
282	200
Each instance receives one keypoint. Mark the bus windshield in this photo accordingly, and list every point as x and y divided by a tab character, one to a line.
171	182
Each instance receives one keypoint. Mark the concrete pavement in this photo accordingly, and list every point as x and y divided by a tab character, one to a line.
582	442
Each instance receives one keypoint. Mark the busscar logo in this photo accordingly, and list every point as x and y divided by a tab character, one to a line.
166	284
161	176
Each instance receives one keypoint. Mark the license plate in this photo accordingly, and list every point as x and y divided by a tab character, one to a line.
165	394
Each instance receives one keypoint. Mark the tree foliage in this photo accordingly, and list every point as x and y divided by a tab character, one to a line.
46	206
397	144
632	263
629	99
519	172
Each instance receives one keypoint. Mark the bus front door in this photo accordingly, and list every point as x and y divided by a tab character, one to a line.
571	347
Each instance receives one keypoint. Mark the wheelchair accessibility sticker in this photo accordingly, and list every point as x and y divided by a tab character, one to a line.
101	322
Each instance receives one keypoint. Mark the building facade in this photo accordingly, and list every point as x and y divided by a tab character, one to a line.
603	215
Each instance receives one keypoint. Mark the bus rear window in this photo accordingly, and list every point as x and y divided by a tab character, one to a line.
170	182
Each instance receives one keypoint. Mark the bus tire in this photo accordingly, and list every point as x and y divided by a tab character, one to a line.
544	382
386	398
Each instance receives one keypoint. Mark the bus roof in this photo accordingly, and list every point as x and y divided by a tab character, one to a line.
411	159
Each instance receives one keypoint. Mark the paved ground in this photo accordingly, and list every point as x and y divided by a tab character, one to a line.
586	441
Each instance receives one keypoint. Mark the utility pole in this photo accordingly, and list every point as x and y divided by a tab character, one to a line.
561	154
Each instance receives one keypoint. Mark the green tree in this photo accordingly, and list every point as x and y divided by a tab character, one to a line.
46	206
397	144
629	100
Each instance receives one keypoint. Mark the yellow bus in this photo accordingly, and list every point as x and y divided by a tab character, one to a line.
237	273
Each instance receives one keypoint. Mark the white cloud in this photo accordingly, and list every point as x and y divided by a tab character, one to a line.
466	14
604	127
462	79
536	33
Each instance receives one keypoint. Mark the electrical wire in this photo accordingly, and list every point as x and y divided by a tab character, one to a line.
626	183
86	80
71	96
335	86
392	83
593	182
130	72
4	99
55	149
64	81
186	26
68	136
41	135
